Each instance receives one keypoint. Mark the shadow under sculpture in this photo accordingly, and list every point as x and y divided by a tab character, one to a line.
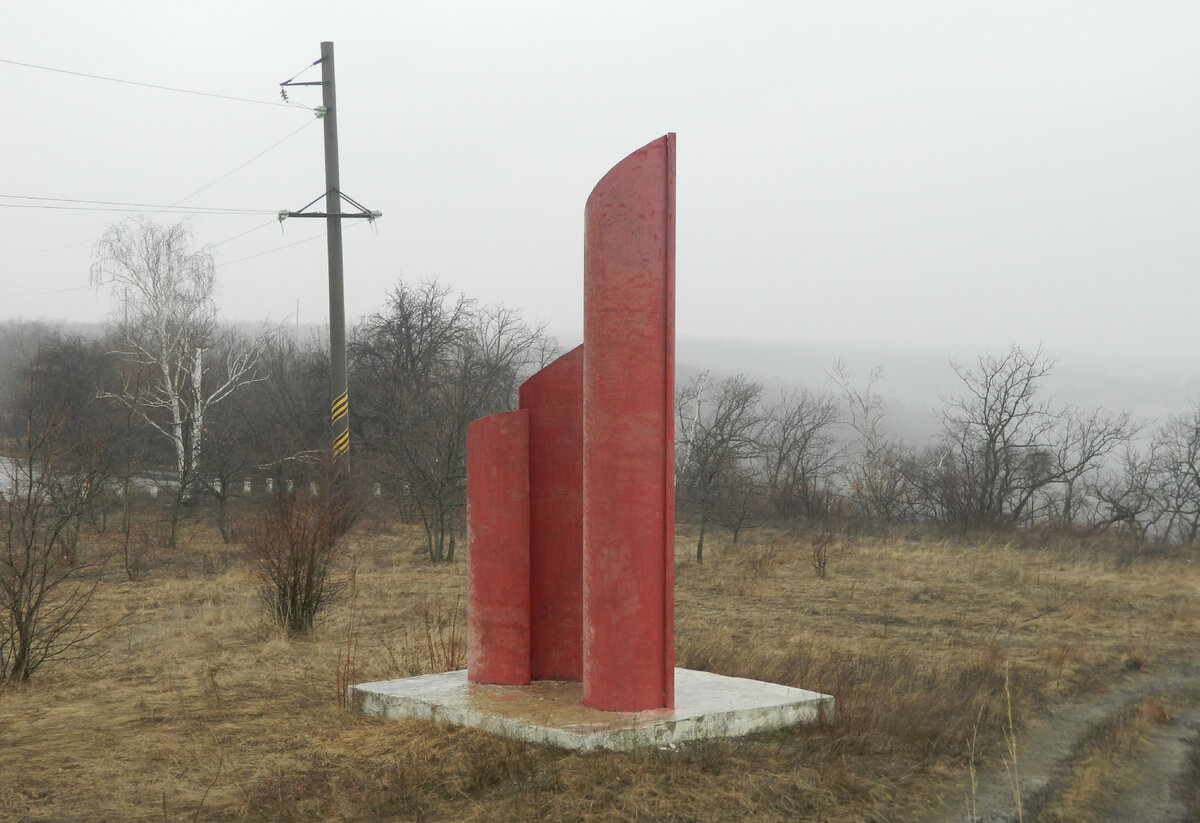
570	498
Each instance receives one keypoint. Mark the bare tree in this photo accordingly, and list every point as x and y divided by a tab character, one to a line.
46	488
165	321
720	434
1080	445
1176	471
1007	456
286	418
800	453
1127	495
876	469
422	370
741	500
997	439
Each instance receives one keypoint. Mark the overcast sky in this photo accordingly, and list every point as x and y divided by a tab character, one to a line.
892	174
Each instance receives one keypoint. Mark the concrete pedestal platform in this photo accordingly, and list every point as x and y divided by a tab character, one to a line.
707	705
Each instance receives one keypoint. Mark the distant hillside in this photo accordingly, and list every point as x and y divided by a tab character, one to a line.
915	382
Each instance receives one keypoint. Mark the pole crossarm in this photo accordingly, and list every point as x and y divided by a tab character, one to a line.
370	214
291	81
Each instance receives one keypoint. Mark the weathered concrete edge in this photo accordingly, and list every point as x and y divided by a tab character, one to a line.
734	722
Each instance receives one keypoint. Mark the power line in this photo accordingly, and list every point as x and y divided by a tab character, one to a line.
151	85
48	291
107	205
210	245
205	187
48	249
272	251
236	169
243	234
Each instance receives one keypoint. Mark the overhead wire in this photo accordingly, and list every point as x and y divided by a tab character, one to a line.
259	227
281	248
152	85
48	248
171	206
60	203
236	169
79	204
272	251
7	293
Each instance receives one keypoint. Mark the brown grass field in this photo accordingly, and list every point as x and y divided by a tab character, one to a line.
190	705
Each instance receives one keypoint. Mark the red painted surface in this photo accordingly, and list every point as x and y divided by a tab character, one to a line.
554	400
498	549
628	451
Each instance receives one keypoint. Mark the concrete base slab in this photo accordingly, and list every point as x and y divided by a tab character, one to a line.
707	705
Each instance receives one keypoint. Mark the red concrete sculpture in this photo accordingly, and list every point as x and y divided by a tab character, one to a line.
498	549
595	519
629	433
554	400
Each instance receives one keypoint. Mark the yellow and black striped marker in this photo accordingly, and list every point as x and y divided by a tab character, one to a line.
338	411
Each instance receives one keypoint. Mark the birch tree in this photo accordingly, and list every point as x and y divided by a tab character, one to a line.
165	317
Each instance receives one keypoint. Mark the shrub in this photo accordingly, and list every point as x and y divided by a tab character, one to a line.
45	492
293	546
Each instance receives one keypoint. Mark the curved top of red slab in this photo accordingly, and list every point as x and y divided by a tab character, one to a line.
627	191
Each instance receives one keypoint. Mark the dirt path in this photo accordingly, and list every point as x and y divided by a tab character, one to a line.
1045	748
1151	797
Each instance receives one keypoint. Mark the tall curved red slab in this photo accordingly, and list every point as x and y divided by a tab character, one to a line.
628	450
554	400
498	549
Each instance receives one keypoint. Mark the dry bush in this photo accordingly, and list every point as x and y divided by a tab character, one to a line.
292	547
45	582
346	671
821	544
757	559
140	543
445	634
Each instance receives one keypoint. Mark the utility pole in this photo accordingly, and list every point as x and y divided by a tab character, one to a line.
339	410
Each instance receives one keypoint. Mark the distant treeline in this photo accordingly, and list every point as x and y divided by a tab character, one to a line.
168	390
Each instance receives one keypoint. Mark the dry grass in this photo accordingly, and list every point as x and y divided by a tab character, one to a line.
197	708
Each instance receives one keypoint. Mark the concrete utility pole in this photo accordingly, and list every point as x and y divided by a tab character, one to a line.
339	410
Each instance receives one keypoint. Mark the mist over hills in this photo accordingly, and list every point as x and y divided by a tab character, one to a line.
914	382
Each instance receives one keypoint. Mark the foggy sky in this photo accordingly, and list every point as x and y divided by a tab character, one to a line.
849	173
